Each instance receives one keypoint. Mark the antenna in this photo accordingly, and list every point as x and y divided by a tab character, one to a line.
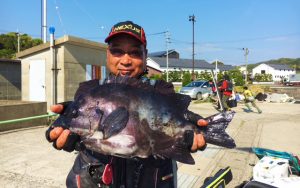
44	20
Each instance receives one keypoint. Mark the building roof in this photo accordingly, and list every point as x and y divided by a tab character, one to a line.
161	53
60	41
226	67
9	61
280	66
188	63
182	63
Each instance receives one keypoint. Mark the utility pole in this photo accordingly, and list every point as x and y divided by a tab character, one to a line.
54	65
216	75
18	35
44	20
246	61
167	35
192	19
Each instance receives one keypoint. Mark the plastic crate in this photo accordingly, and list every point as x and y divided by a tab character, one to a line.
293	160
270	168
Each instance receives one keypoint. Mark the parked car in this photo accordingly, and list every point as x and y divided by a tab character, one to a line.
196	89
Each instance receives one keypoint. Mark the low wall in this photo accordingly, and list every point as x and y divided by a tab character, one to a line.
20	109
263	83
290	91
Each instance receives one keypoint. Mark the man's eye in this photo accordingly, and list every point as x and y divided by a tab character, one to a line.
116	52
119	52
136	53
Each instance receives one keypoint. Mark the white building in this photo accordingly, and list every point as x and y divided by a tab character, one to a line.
243	69
158	61
278	71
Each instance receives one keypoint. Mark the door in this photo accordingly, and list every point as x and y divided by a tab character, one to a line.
37	87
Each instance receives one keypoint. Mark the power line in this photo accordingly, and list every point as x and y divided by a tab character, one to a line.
59	17
159	33
240	40
92	19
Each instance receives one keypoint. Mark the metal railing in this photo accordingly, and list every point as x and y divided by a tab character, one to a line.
27	118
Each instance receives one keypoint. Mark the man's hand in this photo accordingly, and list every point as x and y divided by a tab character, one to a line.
199	141
202	123
61	138
57	108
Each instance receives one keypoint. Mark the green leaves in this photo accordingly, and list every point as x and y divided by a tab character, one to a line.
9	44
186	77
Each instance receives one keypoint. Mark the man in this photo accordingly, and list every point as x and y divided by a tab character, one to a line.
213	88
226	91
249	98
126	56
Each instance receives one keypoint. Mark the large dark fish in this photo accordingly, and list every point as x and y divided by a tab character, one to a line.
128	118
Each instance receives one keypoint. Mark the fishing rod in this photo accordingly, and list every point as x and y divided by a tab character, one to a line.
218	91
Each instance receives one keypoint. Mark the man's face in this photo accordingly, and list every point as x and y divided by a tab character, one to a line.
126	56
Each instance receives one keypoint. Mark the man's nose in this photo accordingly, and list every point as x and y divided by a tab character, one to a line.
126	59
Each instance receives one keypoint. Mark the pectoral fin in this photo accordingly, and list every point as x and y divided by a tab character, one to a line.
176	149
115	122
178	152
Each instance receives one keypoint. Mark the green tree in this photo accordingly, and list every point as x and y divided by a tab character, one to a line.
9	44
263	77
155	77
204	75
186	78
219	63
175	76
237	76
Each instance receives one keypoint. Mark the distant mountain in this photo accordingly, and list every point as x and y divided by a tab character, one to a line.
293	63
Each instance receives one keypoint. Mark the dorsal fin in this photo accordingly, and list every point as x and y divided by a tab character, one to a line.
164	87
126	80
180	101
85	87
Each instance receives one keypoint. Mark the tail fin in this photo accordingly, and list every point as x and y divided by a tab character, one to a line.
214	133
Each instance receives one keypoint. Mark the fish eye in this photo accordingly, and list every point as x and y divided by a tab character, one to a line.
74	113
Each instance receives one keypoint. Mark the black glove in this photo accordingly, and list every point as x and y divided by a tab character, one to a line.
189	140
73	140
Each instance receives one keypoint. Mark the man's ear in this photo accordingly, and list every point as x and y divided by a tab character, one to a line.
146	55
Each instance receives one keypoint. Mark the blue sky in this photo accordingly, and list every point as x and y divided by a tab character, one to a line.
270	29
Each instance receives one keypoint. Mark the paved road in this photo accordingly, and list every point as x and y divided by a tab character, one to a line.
276	128
28	160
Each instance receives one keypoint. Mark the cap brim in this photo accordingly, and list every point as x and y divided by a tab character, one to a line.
123	32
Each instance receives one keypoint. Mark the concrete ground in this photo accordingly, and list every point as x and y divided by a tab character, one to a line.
28	160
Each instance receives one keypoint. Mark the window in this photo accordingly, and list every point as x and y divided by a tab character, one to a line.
263	71
206	84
